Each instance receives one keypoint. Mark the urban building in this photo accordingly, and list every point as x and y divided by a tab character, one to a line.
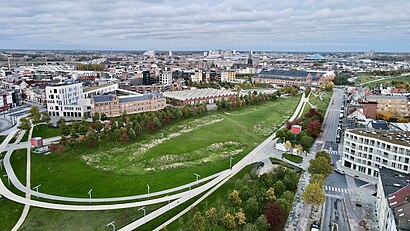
393	200
369	109
366	151
207	95
395	103
113	105
285	77
166	78
64	100
228	76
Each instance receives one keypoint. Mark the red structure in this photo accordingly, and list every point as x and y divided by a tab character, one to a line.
36	142
296	129
369	109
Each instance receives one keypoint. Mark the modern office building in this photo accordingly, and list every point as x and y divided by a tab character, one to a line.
366	151
113	105
393	200
395	103
166	78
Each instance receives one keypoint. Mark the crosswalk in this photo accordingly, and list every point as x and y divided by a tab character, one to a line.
334	152
335	189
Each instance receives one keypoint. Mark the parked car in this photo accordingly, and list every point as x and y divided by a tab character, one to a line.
340	171
315	226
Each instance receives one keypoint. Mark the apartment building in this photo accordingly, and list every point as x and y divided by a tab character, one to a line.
166	78
63	100
393	202
396	103
367	151
228	76
113	105
284	77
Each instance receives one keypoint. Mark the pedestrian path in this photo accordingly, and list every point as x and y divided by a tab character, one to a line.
335	189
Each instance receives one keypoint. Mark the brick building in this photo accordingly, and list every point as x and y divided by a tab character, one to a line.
369	109
207	95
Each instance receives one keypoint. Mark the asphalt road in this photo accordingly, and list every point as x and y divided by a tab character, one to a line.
336	185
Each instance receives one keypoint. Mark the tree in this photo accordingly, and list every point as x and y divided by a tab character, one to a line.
270	194
274	215
229	221
241	217
317	179
307	90
25	124
96	117
329	86
288	145
314	127
234	198
299	149
261	223
157	122
131	134
323	154
124	137
198	222
251	208
45	117
279	187
103	116
320	165
313	194
212	215
306	142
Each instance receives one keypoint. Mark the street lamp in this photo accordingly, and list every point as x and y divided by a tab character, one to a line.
36	188
8	179
148	188
230	162
190	195
111	224
89	193
143	209
197	177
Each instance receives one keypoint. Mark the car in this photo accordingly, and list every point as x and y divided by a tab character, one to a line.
341	115
341	172
315	226
337	140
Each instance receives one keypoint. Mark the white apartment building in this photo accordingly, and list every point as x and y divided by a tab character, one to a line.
63	100
165	78
72	101
228	76
366	151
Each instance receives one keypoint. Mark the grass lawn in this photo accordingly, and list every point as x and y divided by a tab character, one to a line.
122	170
320	104
45	131
2	138
388	80
10	211
25	137
294	158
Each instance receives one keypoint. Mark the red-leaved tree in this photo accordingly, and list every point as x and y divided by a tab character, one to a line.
314	127
274	215
290	124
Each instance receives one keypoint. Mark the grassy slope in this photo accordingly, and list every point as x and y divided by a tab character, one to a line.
72	177
10	211
403	79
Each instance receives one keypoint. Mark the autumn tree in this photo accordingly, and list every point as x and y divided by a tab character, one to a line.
288	145
314	127
229	221
323	154
234	198
274	215
313	194
198	222
241	217
329	86
320	165
212	215
270	194
298	148
317	179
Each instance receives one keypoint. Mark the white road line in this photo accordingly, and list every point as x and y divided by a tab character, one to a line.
333	189
338	189
345	191
326	187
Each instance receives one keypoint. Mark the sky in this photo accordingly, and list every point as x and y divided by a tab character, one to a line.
271	25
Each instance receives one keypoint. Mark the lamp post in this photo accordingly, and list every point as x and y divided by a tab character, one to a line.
197	177
36	188
190	194
148	188
111	224
230	162
89	193
8	179
143	209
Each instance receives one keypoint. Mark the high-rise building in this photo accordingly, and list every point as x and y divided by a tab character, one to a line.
250	61
146	78
166	77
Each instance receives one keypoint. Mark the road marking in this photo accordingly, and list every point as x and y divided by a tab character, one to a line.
326	187
345	190
365	185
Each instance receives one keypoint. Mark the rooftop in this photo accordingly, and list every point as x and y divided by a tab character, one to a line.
198	93
386	97
88	89
395	137
392	180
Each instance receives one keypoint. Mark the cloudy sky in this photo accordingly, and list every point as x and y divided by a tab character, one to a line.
282	25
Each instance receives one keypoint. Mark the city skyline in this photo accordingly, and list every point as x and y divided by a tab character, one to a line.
299	25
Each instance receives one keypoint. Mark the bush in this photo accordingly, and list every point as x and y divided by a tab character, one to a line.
294	158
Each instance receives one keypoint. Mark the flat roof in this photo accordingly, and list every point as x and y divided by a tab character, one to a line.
97	87
395	137
386	97
198	93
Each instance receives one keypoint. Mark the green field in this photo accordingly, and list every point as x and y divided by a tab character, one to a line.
388	80
122	170
10	211
45	131
320	104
